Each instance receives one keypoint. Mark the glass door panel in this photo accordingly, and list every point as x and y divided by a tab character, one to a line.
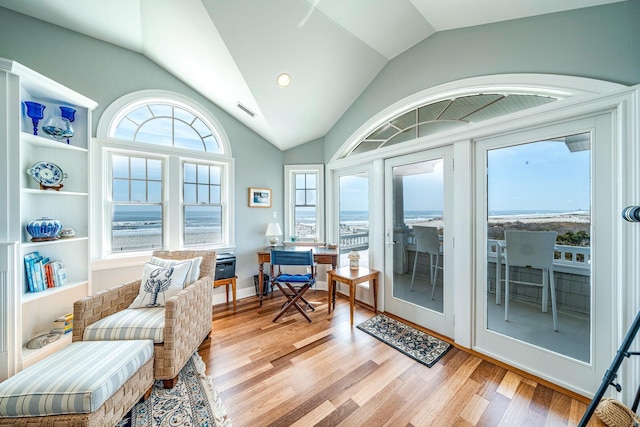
536	306
417	234
354	225
542	188
418	218
354	217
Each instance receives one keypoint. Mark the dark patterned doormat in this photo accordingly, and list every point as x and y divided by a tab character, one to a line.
416	344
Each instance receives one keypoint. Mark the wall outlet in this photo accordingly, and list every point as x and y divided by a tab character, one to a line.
275	214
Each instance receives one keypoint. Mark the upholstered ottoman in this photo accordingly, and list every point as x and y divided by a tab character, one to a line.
84	384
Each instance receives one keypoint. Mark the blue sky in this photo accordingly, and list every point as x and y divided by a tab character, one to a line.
536	176
425	191
354	193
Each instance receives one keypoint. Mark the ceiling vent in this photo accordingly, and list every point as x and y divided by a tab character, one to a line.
246	110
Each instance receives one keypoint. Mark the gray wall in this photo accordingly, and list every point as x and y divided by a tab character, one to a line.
310	153
599	42
104	72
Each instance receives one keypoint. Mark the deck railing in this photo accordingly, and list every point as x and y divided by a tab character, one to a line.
354	242
568	259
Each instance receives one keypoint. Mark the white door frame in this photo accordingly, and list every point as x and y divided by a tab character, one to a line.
570	373
438	322
589	97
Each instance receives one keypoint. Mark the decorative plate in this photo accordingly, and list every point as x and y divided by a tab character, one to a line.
47	173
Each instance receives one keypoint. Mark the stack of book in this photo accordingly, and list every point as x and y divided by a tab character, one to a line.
43	273
63	324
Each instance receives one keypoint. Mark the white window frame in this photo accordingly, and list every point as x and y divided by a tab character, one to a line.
173	160
109	202
223	191
290	198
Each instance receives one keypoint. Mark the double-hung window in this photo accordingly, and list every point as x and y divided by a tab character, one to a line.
304	216
202	207
136	202
166	171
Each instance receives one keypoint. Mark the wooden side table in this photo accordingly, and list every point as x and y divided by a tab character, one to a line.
226	282
352	278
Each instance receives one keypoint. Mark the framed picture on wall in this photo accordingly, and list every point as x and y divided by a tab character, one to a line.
259	197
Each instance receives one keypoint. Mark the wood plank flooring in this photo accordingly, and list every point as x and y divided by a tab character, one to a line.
325	373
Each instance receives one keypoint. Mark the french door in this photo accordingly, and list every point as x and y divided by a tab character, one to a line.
418	200
555	180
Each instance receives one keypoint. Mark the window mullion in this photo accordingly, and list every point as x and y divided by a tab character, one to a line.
173	206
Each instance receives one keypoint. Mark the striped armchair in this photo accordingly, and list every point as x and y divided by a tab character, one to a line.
181	325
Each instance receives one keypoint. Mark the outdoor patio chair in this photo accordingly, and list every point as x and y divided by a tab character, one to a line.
533	249
427	241
293	286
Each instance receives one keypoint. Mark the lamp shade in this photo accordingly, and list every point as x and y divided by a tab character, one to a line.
273	229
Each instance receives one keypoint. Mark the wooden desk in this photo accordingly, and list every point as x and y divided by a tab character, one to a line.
320	256
226	282
352	278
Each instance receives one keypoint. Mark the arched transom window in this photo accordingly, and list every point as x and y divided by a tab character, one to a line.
446	114
168	124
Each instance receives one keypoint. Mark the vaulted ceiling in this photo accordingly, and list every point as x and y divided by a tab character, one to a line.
231	51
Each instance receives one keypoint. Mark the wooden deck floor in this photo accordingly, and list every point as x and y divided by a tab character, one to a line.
325	373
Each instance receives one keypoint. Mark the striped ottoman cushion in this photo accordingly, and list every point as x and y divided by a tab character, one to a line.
129	324
76	380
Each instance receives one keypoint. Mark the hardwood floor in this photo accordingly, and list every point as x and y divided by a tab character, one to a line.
325	373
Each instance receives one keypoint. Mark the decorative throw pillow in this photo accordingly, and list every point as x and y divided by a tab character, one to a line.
160	283
194	271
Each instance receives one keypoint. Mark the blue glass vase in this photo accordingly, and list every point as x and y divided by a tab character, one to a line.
35	111
69	114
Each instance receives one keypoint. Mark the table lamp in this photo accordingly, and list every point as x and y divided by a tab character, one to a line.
273	231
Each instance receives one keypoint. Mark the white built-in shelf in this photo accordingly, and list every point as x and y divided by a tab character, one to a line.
41	86
33	355
53	193
35	311
40	141
66	240
34	296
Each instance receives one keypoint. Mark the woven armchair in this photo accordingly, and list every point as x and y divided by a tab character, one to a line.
187	315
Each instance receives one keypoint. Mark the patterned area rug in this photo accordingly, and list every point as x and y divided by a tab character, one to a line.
193	401
416	344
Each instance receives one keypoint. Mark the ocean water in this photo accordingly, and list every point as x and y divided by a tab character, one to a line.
349	218
143	220
138	220
412	216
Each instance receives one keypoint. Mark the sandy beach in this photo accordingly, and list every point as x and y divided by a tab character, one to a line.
573	222
573	217
566	225
132	242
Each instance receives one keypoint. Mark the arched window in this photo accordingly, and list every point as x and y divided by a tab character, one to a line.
445	114
164	161
459	106
166	123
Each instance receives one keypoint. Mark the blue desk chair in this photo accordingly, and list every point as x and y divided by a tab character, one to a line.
293	286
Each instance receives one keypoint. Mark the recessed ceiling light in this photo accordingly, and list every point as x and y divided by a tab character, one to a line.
283	80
